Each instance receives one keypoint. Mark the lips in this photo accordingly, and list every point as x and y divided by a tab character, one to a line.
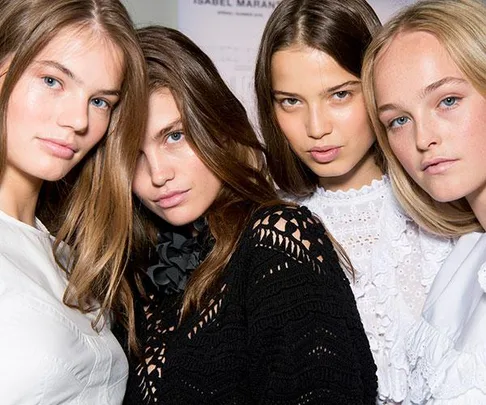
59	148
171	199
325	154
437	165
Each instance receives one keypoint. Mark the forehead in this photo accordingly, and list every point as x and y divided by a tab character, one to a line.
162	111
413	59
87	50
302	65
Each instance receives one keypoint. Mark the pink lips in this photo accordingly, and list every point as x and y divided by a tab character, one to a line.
437	165
326	154
171	199
59	148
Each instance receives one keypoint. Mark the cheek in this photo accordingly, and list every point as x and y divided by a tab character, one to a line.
291	125
402	152
140	182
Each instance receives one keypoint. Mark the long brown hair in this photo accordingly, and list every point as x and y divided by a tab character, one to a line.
460	26
342	29
93	213
217	128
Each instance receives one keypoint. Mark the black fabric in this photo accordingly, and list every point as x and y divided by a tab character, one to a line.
283	328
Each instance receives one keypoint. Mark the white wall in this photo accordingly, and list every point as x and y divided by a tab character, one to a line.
145	12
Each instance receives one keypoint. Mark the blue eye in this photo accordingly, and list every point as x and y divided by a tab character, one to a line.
341	95
398	122
449	101
175	136
100	103
51	82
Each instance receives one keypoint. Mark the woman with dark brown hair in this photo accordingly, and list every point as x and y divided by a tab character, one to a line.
253	306
323	154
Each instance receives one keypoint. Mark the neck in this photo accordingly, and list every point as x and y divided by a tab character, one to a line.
18	196
360	175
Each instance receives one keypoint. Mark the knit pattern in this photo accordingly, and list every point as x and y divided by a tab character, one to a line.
281	328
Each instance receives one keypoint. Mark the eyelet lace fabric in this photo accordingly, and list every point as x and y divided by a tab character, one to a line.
395	263
281	328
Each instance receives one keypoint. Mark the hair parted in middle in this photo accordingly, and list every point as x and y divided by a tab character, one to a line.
90	210
459	25
342	29
217	128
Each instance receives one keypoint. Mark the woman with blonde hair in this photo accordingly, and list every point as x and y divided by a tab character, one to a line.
250	305
424	78
72	81
323	154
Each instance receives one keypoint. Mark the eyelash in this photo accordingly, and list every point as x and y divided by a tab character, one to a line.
346	94
107	106
171	134
46	80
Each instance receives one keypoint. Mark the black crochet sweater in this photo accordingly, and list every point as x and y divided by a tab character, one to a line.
282	329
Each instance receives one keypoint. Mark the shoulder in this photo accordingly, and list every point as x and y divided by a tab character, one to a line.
289	230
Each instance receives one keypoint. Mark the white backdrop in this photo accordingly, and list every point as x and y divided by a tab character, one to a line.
229	31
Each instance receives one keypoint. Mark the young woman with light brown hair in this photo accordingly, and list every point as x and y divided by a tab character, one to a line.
424	78
323	154
250	305
72	82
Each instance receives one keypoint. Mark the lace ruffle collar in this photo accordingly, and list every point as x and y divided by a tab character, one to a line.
376	185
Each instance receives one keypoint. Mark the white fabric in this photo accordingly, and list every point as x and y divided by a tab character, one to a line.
447	349
395	263
49	354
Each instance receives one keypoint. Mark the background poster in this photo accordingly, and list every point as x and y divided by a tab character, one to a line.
229	31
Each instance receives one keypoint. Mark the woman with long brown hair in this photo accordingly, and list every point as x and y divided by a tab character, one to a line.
72	81
323	154
251	304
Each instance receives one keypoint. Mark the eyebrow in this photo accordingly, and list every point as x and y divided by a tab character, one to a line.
71	75
176	124
332	89
426	91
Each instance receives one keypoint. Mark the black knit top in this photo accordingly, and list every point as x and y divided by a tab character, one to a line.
282	328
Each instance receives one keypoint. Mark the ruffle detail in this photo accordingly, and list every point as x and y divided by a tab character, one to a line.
391	252
441	374
482	277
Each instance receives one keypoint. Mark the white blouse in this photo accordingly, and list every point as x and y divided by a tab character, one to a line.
447	349
395	263
49	353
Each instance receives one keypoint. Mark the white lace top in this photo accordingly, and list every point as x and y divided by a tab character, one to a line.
395	263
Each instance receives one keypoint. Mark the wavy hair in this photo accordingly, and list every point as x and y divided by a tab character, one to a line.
91	211
460	27
341	29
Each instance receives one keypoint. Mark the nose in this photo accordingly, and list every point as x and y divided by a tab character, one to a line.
318	125
74	114
161	168
427	135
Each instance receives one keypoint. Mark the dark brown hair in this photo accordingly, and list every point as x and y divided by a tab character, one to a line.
340	28
217	128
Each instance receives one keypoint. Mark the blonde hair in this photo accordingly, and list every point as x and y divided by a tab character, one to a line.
92	209
460	26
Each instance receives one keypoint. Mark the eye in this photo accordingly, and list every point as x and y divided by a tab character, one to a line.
51	82
175	136
449	101
100	103
398	122
289	102
341	95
